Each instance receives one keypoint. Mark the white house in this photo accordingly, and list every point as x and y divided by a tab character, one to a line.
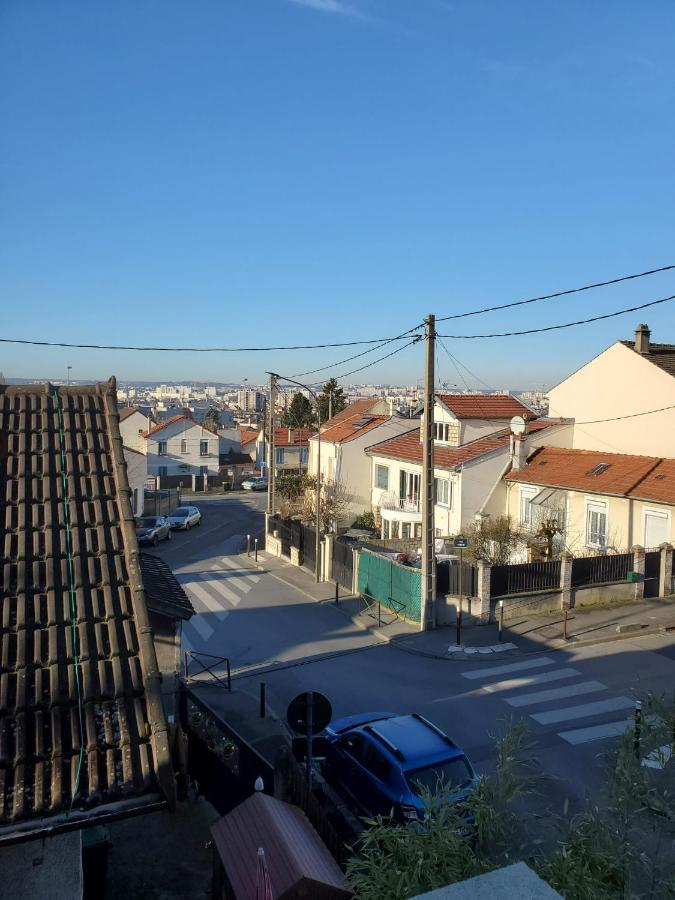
607	397
461	418
137	473
133	428
181	446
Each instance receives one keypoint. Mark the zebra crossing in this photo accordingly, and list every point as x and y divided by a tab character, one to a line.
518	685
214	595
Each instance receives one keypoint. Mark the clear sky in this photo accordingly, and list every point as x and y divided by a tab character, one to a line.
295	171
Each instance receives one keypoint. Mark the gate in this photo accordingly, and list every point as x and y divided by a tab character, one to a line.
343	565
652	572
448	580
308	547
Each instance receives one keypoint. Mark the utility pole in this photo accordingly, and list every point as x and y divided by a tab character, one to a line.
270	442
427	617
330	405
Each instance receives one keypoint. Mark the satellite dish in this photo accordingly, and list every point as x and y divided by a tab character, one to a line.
518	425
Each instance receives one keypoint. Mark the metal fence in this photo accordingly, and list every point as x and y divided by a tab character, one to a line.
393	585
599	569
449	581
524	578
343	565
160	503
307	539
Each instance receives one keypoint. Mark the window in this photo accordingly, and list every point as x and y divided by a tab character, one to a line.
418	530
656	527
596	523
527	495
163	470
280	456
204	448
442	491
409	487
304	455
441	430
382	477
162	451
183	446
376	762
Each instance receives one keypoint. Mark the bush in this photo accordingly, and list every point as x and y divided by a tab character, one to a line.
365	520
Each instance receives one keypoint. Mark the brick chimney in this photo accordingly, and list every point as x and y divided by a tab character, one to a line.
642	335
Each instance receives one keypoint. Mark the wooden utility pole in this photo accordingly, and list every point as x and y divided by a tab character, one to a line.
427	617
270	443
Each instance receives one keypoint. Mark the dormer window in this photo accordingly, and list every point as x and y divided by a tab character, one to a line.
441	432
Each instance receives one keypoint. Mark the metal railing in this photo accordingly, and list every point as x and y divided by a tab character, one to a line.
407	504
524	578
599	569
196	657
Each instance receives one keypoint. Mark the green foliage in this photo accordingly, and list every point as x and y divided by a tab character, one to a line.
291	487
493	540
365	520
331	387
211	419
299	414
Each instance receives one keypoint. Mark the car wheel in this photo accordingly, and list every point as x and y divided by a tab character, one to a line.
168	535
155	541
199	522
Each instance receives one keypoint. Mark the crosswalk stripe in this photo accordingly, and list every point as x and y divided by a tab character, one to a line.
211	604
529	680
234	581
202	628
595	732
227	562
560	693
221	589
583	710
513	667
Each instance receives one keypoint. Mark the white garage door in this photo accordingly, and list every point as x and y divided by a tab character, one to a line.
657	529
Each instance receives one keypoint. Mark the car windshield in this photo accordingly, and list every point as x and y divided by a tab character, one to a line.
181	511
453	774
148	523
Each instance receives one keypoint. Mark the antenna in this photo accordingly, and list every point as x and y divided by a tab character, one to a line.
518	425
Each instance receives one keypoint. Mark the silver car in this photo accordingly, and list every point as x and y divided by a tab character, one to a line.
184	517
255	484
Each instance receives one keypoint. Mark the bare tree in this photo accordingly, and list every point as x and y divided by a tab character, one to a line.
494	540
335	500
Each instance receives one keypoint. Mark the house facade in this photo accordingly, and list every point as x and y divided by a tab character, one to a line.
291	451
607	397
461	418
181	446
600	501
137	473
134	425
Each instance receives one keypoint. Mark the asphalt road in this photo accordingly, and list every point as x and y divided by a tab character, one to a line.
575	701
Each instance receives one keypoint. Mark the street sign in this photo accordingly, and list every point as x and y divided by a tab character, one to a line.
461	542
297	713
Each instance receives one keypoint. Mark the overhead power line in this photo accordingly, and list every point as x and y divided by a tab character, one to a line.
620	312
647	412
380	340
356	355
577	290
374	362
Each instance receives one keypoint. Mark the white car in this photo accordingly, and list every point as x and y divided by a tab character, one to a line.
255	484
184	517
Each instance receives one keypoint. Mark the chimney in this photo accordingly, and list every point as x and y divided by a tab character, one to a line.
518	452
642	335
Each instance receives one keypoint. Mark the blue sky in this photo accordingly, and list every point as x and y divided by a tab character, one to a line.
295	171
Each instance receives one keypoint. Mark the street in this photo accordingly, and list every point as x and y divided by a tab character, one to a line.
575	701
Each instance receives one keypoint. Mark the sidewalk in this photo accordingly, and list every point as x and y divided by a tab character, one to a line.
585	626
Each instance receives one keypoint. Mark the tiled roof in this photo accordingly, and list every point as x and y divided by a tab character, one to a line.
485	406
356	408
127	411
175	419
408	447
298	436
662	355
616	473
248	435
346	430
71	570
163	592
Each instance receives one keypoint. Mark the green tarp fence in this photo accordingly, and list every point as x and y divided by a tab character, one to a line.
397	587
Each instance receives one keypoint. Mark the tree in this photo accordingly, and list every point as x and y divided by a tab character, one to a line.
339	401
212	419
299	414
494	540
335	499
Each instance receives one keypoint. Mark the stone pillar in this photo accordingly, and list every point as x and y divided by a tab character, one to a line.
666	571
296	556
356	557
566	560
267	526
328	542
483	597
639	567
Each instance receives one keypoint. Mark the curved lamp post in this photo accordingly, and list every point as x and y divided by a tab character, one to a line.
317	562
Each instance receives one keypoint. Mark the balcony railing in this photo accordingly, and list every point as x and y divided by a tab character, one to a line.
407	504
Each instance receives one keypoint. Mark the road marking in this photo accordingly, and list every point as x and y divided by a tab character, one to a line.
571	690
595	732
599	708
222	589
233	581
211	604
529	680
513	667
227	562
202	628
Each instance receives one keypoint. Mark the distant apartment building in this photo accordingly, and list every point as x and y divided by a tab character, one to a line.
250	400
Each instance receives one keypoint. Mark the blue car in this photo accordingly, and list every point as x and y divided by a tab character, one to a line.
384	761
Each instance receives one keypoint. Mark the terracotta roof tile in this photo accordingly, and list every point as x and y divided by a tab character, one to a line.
346	430
248	435
659	484
178	418
356	408
616	473
164	594
298	436
64	501
485	406
408	447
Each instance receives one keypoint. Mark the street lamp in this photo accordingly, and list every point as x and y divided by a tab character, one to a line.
317	561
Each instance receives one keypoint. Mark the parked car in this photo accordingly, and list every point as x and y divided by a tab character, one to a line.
385	761
153	529
184	517
255	483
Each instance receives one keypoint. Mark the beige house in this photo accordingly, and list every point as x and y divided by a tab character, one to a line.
607	397
134	425
601	501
